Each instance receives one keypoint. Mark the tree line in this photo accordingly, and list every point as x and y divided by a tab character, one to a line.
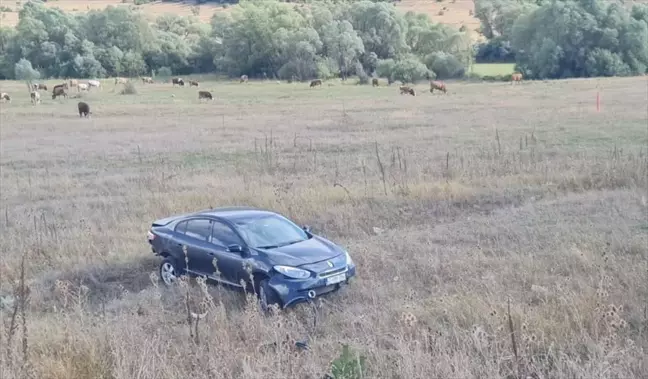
550	39
328	38
258	38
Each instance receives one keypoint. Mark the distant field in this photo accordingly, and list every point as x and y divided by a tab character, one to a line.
493	69
454	206
455	13
153	10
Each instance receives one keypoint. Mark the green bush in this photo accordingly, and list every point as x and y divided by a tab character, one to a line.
129	89
164	72
348	365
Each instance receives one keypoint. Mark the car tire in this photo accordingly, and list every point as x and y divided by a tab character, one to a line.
168	271
267	296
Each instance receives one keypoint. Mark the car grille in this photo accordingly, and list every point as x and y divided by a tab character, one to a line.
335	271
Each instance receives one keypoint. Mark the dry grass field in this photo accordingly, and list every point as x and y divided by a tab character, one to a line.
454	208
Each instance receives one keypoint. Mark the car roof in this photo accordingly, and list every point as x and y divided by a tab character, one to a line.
234	212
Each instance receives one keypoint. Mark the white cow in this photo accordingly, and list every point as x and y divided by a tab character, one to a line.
94	83
82	87
35	97
5	97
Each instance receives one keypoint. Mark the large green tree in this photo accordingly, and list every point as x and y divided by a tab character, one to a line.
262	38
581	38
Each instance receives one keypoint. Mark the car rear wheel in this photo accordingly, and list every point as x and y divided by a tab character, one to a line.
168	271
267	296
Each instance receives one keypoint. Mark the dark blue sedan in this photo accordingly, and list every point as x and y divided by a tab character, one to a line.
252	248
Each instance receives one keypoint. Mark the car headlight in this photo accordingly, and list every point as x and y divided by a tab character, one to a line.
348	258
293	272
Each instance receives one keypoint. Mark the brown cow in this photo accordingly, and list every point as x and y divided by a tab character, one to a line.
62	85
516	77
59	90
407	90
374	82
205	95
316	82
74	82
177	81
193	83
147	79
5	96
84	109
438	85
244	79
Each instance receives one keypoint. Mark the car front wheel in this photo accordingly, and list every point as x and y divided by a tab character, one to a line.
267	296
168	271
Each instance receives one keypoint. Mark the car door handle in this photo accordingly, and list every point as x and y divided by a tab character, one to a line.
211	253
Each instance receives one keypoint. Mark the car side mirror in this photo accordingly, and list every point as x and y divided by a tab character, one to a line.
306	228
235	248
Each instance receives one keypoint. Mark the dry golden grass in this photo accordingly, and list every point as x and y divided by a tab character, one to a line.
154	9
491	193
450	12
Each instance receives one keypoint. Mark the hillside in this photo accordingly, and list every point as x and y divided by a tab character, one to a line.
451	12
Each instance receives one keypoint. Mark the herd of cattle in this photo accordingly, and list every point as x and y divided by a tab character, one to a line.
84	109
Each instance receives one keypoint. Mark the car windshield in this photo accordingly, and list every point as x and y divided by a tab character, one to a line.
270	232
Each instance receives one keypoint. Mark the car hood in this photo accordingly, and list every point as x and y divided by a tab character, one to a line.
313	250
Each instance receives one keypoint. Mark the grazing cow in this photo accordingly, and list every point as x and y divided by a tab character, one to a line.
94	83
374	82
74	82
516	77
84	109
147	79
42	86
64	86
438	85
59	91
35	97
244	78
205	95
193	83
177	81
407	90
316	82
121	81
5	97
82	87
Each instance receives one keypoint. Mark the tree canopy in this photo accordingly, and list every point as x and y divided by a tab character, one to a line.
258	38
566	38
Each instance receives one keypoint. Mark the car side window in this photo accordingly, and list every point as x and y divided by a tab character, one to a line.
199	228
223	235
181	227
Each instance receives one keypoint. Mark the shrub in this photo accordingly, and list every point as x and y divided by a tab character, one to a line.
348	365
445	65
129	89
164	72
363	78
23	70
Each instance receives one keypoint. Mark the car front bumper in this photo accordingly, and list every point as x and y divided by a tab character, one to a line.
292	291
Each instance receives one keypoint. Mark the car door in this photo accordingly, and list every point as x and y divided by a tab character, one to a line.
197	235
230	264
180	240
